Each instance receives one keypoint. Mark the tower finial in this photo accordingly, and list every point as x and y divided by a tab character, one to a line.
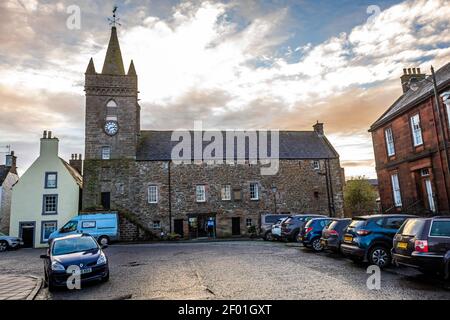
114	20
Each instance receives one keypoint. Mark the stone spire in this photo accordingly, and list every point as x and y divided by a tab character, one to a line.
113	61
91	67
132	69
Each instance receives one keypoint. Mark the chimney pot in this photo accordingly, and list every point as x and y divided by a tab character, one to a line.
409	70
418	70
79	157
45	134
49	135
404	71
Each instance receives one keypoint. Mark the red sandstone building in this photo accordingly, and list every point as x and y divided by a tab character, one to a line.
411	141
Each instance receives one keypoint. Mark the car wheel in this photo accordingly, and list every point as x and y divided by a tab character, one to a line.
103	241
380	256
3	246
316	245
106	278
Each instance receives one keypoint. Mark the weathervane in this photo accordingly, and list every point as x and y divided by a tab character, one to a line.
114	21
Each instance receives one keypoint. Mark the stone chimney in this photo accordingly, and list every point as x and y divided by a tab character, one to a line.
11	162
318	128
76	162
410	76
49	145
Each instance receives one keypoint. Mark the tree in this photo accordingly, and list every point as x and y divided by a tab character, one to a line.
360	197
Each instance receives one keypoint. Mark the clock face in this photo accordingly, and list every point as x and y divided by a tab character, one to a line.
111	128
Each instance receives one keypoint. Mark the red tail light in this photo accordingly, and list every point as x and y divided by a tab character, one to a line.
308	230
421	245
333	232
363	232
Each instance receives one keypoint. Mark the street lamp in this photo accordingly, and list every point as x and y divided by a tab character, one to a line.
274	191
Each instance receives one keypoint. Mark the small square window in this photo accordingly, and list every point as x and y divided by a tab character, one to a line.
51	180
157	224
200	193
316	165
106	153
254	191
153	194
226	193
248	222
50	205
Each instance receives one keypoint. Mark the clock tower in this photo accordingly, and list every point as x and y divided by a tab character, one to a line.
112	109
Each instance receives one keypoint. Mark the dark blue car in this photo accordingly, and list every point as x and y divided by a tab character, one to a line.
79	254
369	238
312	232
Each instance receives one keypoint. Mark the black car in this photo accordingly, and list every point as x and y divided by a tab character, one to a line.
370	238
81	252
333	234
290	228
424	243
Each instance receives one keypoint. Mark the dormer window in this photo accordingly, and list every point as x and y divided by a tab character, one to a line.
111	111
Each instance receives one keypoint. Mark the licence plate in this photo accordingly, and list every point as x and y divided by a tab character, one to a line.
82	271
323	243
402	245
348	239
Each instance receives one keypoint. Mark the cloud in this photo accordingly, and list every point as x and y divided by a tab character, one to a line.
221	62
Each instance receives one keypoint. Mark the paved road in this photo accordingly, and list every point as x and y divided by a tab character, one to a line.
233	270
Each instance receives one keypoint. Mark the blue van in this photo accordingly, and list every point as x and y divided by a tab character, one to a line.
104	227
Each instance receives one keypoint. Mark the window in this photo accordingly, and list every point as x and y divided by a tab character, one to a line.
416	130
111	111
47	228
316	165
51	180
88	224
70	227
226	193
157	224
389	142
106	153
396	190
394	223
248	222
153	194
50	205
440	229
254	191
200	193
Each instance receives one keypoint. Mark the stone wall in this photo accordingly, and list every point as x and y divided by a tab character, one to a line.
5	202
300	189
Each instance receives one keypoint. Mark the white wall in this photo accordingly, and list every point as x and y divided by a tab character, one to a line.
27	196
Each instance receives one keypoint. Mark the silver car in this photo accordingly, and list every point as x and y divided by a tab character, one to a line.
7	242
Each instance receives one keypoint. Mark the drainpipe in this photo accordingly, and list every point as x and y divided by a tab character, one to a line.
333	209
446	173
170	196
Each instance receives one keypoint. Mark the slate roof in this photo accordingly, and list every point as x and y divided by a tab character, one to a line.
157	145
412	98
76	176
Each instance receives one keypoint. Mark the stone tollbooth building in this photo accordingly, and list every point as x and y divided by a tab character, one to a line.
131	170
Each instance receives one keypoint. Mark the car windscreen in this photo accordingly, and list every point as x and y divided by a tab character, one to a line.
412	227
358	223
73	245
271	219
440	229
332	225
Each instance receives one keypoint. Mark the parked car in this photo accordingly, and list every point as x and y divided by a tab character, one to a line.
267	221
290	228
312	231
81	250
333	234
276	230
369	238
424	244
102	226
7	242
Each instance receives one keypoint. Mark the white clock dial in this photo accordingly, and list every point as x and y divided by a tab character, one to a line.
111	128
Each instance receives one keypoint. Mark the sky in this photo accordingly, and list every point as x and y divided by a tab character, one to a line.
252	64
